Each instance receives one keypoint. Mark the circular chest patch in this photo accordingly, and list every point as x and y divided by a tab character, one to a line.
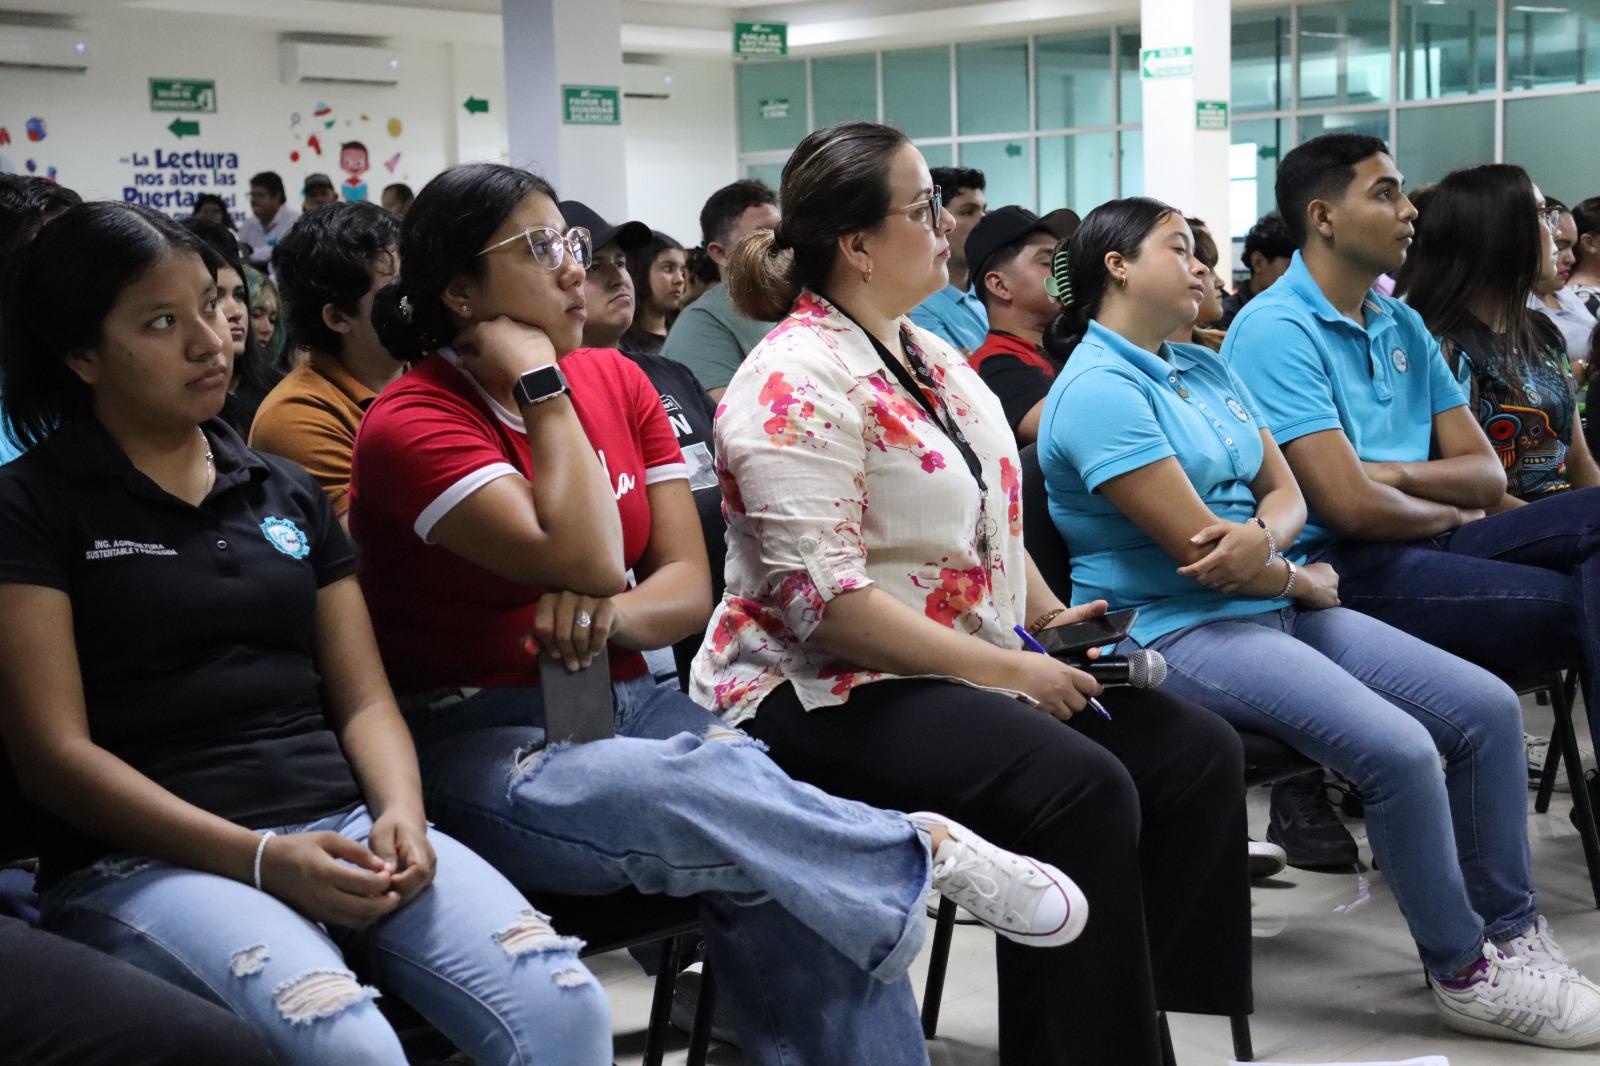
284	535
1398	358
1238	410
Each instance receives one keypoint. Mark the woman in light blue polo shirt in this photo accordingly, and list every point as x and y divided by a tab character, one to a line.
1174	499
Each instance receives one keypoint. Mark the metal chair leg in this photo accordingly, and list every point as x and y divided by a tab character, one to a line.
1568	738
1552	766
944	927
1243	1050
700	1032
655	1037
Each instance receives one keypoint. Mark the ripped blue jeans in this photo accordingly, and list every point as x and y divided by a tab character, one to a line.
468	953
812	906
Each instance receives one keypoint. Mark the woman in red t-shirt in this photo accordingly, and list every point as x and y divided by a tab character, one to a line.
502	490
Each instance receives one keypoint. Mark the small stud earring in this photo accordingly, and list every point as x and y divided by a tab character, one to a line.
464	309
866	276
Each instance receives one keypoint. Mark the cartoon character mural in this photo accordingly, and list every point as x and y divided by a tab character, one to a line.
353	161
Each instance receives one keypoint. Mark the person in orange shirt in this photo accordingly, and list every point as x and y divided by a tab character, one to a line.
328	267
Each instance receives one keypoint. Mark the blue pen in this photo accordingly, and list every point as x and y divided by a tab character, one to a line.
1033	645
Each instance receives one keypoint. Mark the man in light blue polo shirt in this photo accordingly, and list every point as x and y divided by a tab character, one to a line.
1395	469
955	313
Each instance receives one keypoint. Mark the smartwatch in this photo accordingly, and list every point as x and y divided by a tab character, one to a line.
538	385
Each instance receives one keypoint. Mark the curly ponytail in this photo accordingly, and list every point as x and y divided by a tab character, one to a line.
761	277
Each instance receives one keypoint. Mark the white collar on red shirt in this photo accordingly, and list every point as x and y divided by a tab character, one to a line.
501	411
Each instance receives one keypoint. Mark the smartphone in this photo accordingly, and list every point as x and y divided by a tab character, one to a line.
1078	637
577	707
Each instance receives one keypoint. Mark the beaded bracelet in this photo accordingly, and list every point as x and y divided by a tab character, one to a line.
1272	542
1045	619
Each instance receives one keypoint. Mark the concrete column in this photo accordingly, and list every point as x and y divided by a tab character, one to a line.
1183	165
548	44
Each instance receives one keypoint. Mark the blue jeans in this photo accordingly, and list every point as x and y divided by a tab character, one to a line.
468	953
1510	592
1381	707
812	906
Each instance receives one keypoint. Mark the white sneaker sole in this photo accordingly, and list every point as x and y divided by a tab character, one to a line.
1466	1023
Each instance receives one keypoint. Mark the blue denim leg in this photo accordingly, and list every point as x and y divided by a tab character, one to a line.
1380	707
678	803
1510	592
684	807
285	976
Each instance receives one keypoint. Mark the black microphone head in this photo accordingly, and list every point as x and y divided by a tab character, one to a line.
1147	669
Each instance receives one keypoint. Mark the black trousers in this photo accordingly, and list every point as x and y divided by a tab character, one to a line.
1145	812
63	1004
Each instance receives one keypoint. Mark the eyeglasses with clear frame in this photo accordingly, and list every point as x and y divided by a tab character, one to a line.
933	203
1551	217
550	247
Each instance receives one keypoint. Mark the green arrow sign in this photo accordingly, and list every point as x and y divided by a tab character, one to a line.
476	105
1166	62
181	129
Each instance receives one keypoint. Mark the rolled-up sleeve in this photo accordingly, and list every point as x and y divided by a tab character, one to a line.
793	455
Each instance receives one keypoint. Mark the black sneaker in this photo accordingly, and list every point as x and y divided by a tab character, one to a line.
1305	826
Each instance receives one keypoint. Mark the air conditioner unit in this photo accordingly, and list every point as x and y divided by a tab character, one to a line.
648	81
354	64
33	46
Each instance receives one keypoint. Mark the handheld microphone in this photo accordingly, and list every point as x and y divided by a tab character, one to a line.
1142	669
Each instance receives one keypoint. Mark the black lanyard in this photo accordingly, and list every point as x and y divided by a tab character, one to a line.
940	415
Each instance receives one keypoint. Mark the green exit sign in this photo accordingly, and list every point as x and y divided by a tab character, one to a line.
760	39
591	105
183	94
1166	62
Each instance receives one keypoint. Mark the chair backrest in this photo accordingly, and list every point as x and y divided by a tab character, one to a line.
1039	533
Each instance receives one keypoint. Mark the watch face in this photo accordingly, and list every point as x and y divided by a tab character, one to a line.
540	383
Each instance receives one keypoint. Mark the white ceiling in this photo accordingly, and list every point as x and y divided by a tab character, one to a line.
690	27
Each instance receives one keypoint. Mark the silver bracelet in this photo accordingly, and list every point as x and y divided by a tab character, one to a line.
261	849
1272	542
1288	586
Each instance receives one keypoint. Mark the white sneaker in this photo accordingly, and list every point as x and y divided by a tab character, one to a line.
1266	859
1509	1000
1541	950
1022	899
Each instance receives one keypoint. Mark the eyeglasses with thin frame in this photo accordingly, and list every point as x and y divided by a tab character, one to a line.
1551	217
550	247
933	203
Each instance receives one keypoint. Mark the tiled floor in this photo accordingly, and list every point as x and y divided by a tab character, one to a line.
1336	976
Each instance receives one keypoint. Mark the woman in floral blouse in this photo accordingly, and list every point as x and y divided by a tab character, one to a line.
876	581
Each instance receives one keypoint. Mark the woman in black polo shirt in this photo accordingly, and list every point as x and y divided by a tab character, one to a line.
197	697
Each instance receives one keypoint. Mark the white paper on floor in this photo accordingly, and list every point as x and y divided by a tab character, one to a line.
1426	1060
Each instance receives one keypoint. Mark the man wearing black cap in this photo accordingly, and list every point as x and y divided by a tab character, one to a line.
318	191
608	288
1009	253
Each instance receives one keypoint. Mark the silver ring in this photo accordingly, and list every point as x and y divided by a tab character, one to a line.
583	621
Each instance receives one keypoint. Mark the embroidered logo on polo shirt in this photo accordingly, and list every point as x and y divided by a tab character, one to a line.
286	537
114	549
1398	358
1238	410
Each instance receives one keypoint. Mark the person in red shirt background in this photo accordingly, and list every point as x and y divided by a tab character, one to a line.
1010	254
501	491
